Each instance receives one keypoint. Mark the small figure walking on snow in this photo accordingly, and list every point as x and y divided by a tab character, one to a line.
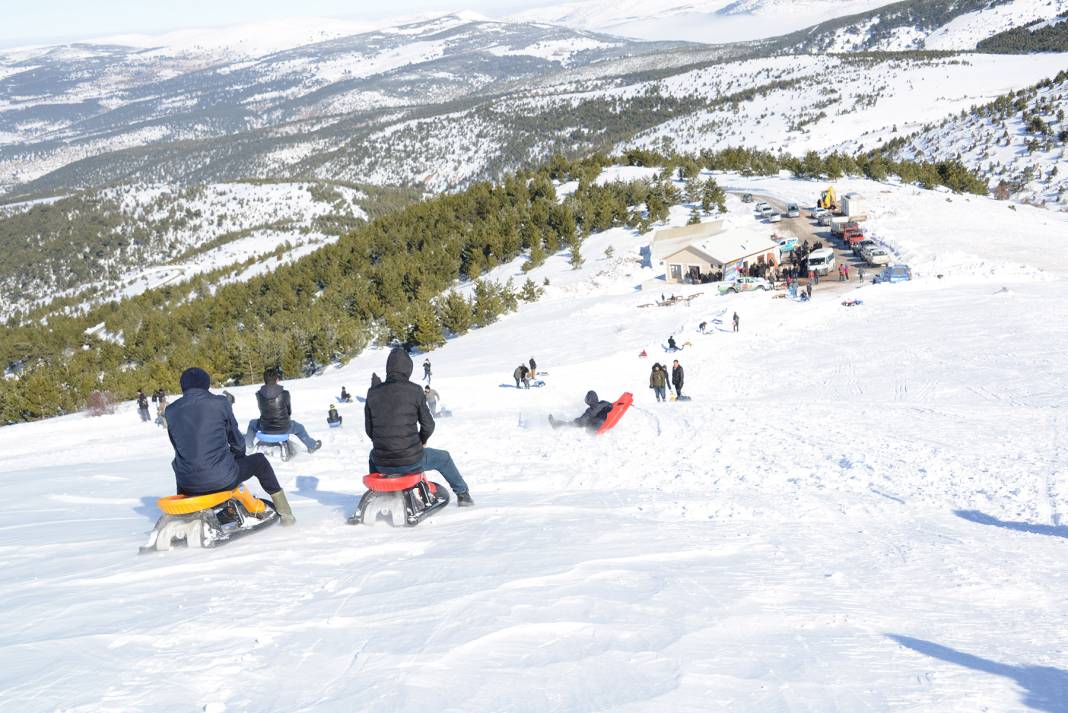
142	406
677	375
426	370
735	320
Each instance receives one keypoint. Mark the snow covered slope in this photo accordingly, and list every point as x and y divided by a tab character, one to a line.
1019	143
921	24
860	510
711	21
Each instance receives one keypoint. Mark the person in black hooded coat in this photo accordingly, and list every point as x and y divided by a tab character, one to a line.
209	452
592	418
398	421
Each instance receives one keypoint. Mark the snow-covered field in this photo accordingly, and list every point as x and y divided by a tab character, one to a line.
860	510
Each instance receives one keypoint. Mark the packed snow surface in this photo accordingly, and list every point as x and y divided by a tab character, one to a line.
860	509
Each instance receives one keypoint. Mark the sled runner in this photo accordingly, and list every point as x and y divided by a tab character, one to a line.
208	520
334	424
407	498
267	442
618	409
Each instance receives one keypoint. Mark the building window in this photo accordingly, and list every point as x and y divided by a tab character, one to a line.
676	272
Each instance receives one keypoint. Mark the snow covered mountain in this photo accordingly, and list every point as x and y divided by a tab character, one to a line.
710	21
921	25
62	104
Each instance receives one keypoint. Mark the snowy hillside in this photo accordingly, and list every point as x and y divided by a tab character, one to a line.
867	104
861	509
710	21
917	25
65	104
121	241
1019	143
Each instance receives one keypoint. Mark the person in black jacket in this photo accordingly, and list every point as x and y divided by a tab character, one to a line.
533	368
399	423
521	376
209	452
592	418
276	413
333	417
677	376
142	406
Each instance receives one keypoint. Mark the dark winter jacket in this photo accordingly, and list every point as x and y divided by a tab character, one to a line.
594	416
396	416
142	402
533	366
658	379
205	436
275	409
520	373
332	416
677	377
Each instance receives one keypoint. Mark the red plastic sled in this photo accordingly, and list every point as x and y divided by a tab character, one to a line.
618	409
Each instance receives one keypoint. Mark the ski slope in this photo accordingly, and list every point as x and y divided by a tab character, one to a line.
860	510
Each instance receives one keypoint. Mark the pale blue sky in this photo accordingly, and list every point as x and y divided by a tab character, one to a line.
24	22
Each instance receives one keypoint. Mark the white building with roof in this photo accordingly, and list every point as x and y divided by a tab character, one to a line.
720	253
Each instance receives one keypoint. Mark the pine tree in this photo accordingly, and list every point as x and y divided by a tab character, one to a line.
425	328
695	217
487	304
455	313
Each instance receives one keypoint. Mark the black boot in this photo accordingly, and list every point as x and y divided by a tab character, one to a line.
464	500
318	445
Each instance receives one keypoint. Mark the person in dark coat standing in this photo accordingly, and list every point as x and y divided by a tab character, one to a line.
521	376
592	418
677	377
658	382
276	413
209	452
533	368
735	320
399	423
426	370
142	406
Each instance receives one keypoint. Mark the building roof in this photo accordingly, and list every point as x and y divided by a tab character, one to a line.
670	240
732	246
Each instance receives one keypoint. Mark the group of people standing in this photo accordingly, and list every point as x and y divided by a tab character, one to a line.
524	375
659	381
159	398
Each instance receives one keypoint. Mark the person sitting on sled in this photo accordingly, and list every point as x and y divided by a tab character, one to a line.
671	344
346	397
333	417
209	451
276	413
592	418
399	423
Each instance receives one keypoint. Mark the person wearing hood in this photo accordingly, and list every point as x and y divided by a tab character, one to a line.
398	421
592	419
677	378
276	413
658	382
333	418
209	452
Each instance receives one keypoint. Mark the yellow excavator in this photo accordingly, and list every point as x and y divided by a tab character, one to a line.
828	199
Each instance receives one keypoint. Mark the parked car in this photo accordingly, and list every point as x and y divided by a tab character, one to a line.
792	211
825	219
876	256
821	261
893	273
747	198
818	213
788	245
773	217
744	284
861	246
761	206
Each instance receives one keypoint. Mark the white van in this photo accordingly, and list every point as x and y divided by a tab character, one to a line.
821	261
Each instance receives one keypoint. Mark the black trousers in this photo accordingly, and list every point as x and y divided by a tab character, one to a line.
252	466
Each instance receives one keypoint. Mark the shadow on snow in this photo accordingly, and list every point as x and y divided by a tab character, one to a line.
984	519
1045	687
308	487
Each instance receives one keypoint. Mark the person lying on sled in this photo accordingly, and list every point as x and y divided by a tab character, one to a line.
399	423
594	416
209	450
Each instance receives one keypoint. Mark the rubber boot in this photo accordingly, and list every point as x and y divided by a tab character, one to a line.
281	505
